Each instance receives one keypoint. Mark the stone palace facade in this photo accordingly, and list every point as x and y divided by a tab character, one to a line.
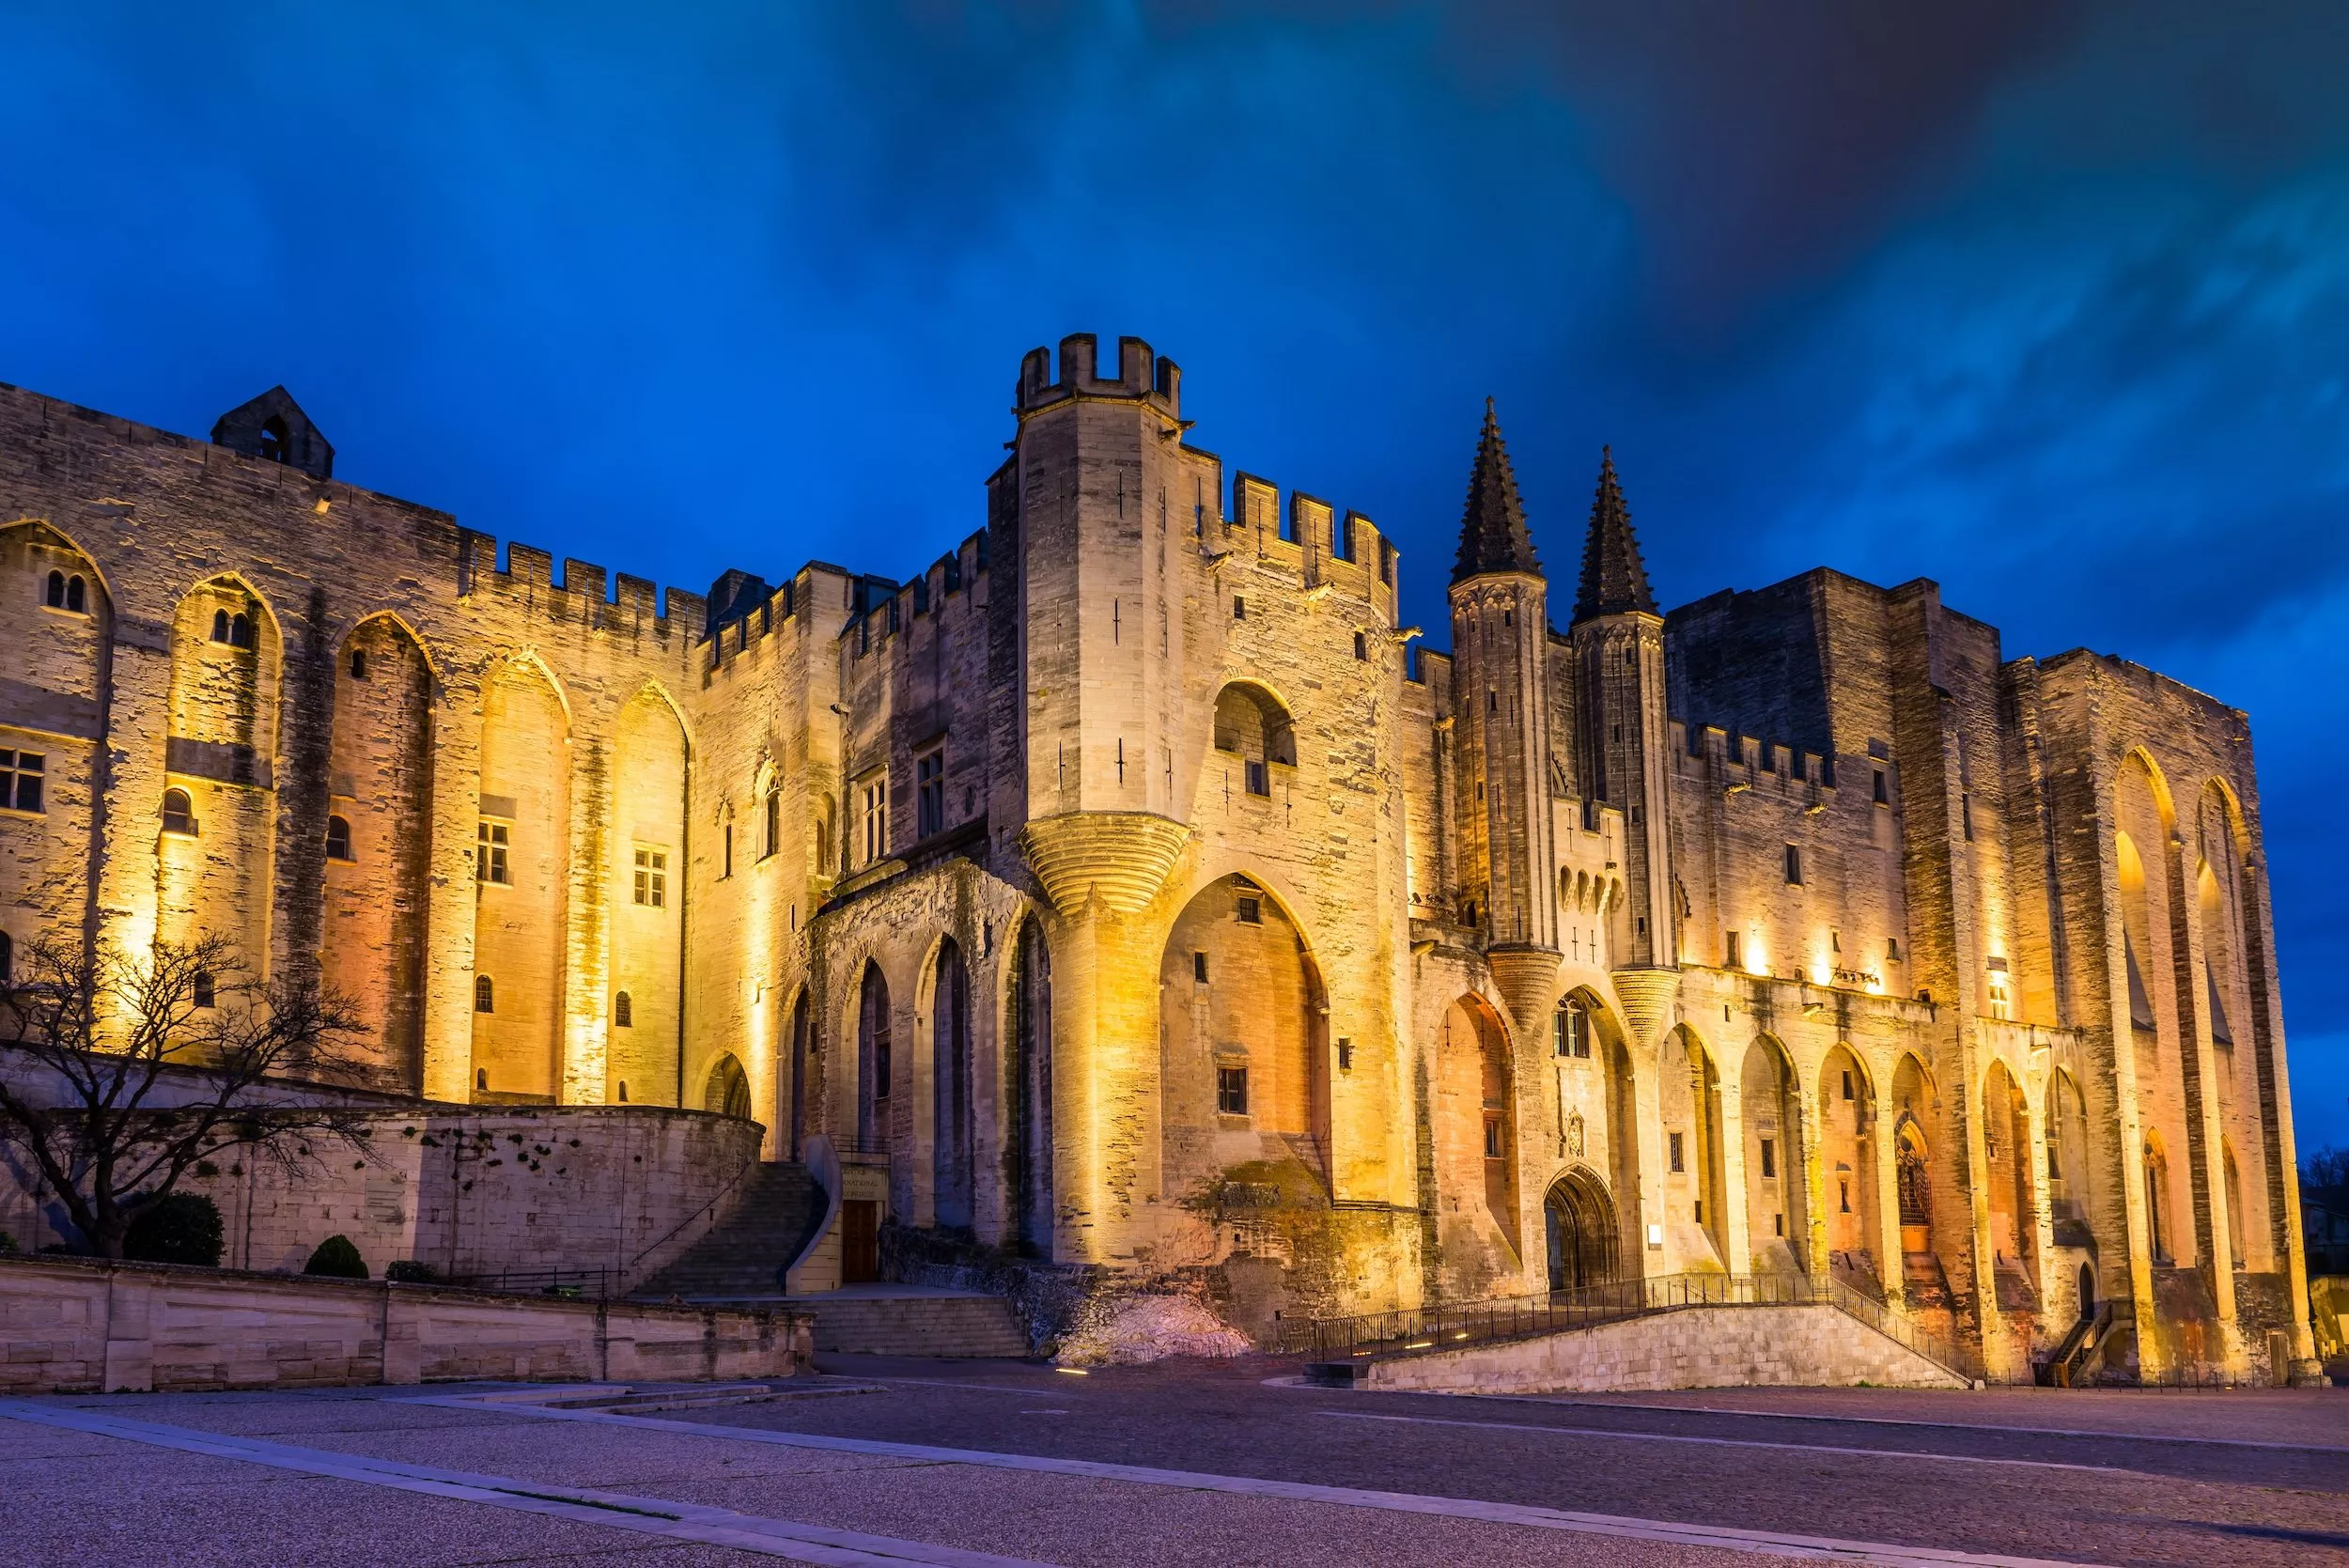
1131	890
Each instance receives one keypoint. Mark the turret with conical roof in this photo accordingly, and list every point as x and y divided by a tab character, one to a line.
1501	691
1620	734
1613	579
1493	535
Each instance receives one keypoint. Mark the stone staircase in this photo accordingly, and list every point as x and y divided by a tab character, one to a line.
743	1255
884	1320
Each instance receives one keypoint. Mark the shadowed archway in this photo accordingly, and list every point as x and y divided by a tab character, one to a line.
1579	1220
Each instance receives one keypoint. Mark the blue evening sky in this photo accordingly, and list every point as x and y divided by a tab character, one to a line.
2047	301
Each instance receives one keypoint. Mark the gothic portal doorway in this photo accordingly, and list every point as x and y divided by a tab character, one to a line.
1581	1223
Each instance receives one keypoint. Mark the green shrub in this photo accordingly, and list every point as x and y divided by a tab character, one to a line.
337	1259
7	1243
413	1271
183	1228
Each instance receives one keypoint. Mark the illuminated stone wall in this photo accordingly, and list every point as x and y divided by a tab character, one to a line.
1812	880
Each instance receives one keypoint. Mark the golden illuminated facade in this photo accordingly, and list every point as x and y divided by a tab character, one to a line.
1125	891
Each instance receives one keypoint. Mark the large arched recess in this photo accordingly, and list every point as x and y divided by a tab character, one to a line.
647	895
1243	1052
61	649
1688	1097
2235	988
952	1109
1777	1192
1028	1175
377	894
1846	1139
2007	1175
1474	1116
522	847
222	753
1598	1109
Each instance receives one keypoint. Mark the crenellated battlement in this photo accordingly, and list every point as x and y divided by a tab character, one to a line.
1695	750
1310	531
585	590
1139	376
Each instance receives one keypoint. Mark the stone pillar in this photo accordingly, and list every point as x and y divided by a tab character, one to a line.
1103	870
452	894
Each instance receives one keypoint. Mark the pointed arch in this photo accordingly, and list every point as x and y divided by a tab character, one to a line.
648	866
876	1058
2007	1179
727	1090
953	1109
1580	1229
799	1046
1688	1099
1243	1029
1849	1195
1769	1103
522	870
372	932
1029	1088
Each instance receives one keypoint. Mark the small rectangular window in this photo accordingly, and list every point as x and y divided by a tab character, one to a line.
1361	646
1345	1054
1966	815
726	851
1733	950
1251	910
1892	949
1794	865
1769	1159
1259	778
1847	1094
1230	1091
652	878
930	777
22	775
1677	1164
1883	797
1239	607
491	841
1199	967
1493	1146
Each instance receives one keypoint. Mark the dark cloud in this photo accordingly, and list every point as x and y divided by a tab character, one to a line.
1758	144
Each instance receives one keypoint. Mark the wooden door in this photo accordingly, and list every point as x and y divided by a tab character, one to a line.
859	1240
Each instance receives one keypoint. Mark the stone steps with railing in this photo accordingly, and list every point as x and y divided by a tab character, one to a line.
743	1253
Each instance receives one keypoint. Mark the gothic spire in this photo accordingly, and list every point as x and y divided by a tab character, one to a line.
1493	537
1613	581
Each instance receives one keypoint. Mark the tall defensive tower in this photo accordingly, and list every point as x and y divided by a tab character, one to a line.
1499	631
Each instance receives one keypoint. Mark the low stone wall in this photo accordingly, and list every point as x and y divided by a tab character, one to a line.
79	1326
469	1189
1698	1347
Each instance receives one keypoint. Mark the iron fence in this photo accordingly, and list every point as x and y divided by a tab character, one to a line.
593	1284
1423	1330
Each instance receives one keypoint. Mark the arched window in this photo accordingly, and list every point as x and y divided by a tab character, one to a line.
179	813
76	595
358	663
219	626
275	446
204	989
1250	723
55	600
481	1081
623	1090
240	632
774	820
485	996
338	839
623	1012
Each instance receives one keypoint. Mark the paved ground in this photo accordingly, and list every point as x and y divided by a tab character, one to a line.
971	1462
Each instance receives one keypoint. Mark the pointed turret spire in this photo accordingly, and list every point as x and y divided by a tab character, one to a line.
1613	581
1493	537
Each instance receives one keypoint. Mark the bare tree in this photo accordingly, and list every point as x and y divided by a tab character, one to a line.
2324	1173
130	1069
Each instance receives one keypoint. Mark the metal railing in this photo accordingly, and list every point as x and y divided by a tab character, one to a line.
592	1284
1422	1330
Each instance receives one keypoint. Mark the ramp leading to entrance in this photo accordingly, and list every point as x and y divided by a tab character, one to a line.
1675	1331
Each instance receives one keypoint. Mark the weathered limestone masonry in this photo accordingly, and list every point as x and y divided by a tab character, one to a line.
1120	893
88	1327
471	1192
